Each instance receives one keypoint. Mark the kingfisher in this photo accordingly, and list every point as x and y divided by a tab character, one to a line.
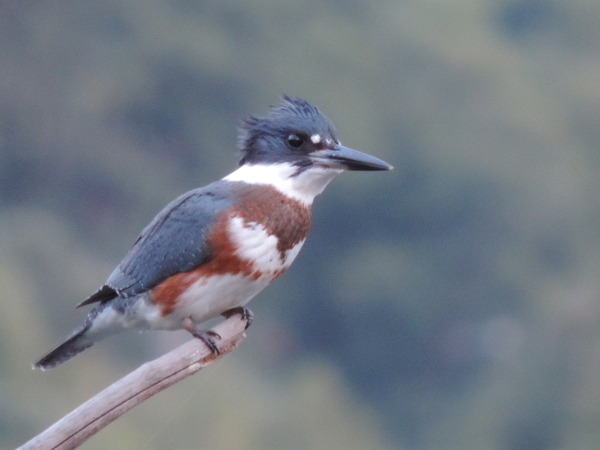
211	250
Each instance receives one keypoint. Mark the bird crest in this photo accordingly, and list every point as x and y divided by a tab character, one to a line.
293	114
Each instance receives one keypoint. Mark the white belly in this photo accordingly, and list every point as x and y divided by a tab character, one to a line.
208	298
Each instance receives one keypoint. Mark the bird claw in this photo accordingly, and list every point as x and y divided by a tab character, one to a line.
206	336
245	314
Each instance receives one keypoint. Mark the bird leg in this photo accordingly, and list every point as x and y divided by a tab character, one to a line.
244	312
205	336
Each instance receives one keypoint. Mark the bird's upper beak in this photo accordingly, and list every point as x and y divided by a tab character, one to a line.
340	157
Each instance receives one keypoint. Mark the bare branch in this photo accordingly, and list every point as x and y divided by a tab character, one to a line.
141	384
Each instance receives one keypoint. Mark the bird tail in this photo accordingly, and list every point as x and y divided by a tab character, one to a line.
101	322
74	345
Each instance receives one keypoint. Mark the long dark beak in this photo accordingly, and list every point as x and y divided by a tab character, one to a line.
340	157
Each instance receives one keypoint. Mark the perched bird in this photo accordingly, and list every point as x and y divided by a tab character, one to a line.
211	250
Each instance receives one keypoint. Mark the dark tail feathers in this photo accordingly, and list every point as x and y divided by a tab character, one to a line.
74	345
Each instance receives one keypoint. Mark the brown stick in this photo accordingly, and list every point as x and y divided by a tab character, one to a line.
141	384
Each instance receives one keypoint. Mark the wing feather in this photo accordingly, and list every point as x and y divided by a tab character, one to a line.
174	242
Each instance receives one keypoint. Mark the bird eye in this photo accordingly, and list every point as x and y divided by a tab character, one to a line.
295	140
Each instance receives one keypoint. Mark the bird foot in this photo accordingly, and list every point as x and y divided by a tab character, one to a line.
244	313
206	336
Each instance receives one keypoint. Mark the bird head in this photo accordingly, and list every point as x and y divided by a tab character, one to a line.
297	133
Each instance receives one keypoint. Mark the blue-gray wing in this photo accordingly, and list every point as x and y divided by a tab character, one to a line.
174	242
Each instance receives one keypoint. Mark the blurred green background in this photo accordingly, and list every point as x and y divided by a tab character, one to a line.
450	304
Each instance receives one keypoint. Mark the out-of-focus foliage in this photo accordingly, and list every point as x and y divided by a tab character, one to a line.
450	304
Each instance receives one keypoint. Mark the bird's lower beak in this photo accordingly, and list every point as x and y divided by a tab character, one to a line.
341	157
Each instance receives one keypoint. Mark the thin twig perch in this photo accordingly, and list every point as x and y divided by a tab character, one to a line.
141	384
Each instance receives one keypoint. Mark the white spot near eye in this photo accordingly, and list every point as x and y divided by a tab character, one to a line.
315	138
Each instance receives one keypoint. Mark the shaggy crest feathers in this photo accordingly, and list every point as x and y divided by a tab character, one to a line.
293	114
